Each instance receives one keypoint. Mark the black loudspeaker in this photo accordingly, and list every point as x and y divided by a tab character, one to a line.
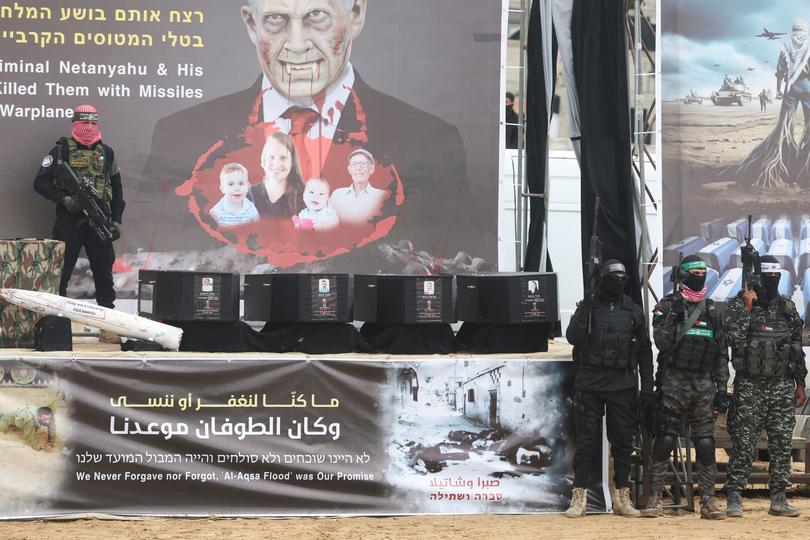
394	299
298	297
507	298
188	296
53	333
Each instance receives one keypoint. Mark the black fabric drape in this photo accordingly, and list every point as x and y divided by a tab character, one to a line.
600	65
238	336
422	338
536	138
484	338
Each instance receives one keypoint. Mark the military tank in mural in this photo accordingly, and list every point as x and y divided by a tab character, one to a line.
732	93
692	98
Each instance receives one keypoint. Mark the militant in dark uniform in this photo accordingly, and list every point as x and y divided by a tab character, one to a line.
691	380
765	334
611	346
93	163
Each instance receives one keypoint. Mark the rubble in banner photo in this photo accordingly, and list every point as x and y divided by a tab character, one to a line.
462	438
524	455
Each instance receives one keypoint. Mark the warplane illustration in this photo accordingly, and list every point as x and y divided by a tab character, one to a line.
767	34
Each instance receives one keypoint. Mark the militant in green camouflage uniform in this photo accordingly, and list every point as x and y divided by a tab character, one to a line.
29	420
691	381
769	365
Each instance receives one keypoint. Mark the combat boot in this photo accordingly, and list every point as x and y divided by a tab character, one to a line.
654	507
621	503
579	503
734	508
781	507
709	509
105	336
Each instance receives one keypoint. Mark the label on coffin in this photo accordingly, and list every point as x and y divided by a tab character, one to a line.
428	299
532	300
146	298
324	298
207	297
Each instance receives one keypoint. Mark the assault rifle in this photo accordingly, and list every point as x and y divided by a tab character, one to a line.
752	268
677	275
83	190
593	258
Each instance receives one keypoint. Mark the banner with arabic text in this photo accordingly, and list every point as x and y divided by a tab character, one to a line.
284	437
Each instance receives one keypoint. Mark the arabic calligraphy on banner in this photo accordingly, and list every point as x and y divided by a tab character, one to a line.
282	437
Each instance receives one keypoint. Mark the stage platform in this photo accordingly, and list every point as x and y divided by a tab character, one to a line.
89	348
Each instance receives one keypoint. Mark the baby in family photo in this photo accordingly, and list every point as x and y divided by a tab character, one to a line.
318	214
234	208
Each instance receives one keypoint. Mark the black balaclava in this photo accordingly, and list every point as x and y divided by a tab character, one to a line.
613	279
695	283
770	277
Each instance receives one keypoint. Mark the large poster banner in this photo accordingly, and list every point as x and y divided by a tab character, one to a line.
348	135
244	437
736	138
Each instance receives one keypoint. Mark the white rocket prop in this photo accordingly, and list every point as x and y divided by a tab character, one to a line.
117	322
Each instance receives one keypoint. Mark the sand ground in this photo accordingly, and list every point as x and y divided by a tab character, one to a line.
756	524
710	135
700	139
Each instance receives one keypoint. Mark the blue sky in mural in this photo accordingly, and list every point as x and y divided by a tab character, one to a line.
704	40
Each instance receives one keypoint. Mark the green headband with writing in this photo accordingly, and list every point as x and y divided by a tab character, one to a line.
693	265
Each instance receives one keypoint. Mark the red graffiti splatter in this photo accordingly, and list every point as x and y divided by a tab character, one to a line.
362	118
184	189
121	266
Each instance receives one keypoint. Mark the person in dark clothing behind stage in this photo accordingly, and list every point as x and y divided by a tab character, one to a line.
611	345
511	121
92	160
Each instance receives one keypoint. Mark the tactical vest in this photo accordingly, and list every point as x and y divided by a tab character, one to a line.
612	342
90	164
769	352
698	348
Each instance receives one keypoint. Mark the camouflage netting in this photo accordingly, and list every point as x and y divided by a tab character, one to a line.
30	264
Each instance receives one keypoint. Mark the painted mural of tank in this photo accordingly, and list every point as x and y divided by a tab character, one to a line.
692	98
732	93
